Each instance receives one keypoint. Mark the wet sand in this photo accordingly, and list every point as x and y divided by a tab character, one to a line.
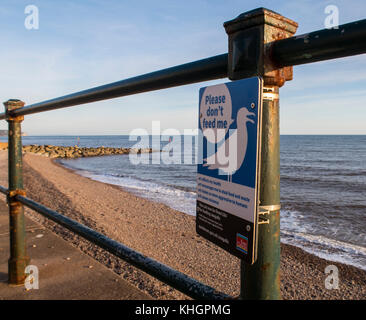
165	235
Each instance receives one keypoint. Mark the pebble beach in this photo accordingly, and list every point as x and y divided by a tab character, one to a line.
166	235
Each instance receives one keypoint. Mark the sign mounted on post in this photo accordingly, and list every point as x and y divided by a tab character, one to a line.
228	173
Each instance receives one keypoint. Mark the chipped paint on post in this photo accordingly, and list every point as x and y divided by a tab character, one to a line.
262	279
18	257
251	36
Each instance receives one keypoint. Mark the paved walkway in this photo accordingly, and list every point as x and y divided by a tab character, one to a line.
64	271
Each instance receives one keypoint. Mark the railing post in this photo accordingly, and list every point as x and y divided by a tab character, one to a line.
18	257
249	55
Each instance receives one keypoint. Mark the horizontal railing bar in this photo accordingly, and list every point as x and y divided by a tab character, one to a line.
174	278
348	40
3	190
197	71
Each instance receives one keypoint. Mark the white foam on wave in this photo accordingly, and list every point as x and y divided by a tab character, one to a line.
293	230
177	199
297	233
329	249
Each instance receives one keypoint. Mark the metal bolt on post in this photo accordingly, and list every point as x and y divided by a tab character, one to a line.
250	38
18	257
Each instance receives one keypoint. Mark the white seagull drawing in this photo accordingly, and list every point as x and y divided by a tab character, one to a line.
236	157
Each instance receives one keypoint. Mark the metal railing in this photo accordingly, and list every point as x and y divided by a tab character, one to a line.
320	45
272	56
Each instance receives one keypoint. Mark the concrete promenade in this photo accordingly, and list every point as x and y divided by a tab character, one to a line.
65	272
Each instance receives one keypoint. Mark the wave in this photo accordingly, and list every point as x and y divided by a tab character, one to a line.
297	233
326	248
320	183
293	229
177	198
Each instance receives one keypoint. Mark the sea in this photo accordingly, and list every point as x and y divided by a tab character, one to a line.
323	185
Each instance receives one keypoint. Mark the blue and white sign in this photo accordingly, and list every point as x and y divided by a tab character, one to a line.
227	178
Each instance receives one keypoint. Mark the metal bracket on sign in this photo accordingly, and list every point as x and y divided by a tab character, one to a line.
270	94
266	210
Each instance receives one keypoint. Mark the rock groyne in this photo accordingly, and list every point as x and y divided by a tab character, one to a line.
80	152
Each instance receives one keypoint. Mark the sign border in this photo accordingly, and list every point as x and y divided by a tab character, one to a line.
254	245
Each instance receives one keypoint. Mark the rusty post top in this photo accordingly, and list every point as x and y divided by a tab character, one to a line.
260	16
13	104
251	36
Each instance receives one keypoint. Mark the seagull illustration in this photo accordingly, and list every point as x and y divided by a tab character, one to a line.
239	143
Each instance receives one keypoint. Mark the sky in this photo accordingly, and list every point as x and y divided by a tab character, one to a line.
87	43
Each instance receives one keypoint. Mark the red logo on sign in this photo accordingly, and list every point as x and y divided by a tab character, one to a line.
241	243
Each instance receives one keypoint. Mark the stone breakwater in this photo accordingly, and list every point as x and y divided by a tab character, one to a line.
80	152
